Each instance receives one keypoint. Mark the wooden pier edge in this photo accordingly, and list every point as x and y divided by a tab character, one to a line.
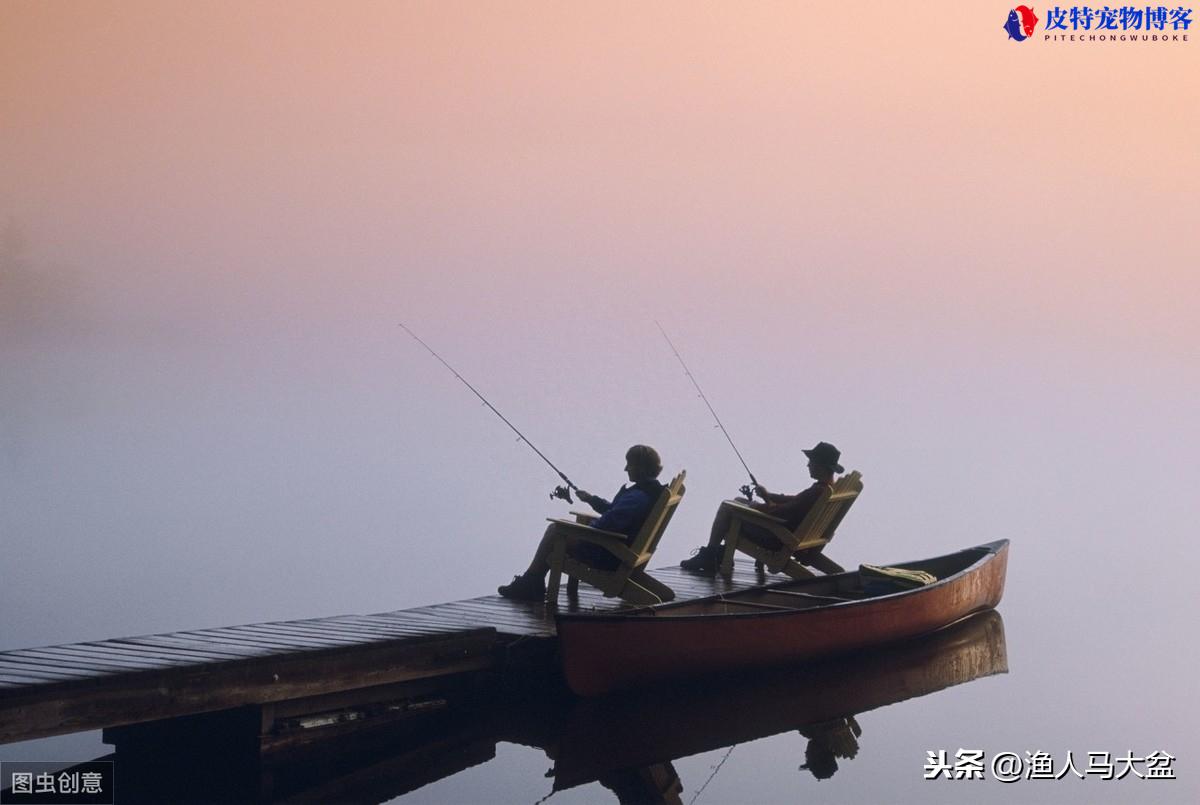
156	694
118	683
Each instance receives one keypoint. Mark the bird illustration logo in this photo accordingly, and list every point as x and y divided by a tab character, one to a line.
1020	24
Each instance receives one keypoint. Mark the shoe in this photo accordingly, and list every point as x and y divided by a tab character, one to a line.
704	560
524	588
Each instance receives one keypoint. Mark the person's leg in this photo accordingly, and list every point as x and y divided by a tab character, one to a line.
707	557
531	585
540	564
720	528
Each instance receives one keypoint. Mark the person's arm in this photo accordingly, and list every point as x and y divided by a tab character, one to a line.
793	507
770	497
599	504
625	513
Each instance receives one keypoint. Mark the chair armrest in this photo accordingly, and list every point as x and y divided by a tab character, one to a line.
579	530
752	515
610	541
586	518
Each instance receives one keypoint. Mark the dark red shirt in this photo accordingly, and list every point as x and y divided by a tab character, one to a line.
793	508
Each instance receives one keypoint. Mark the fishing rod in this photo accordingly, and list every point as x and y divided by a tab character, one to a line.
745	489
560	492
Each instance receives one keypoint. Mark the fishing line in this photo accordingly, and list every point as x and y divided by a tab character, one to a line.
561	492
711	776
748	491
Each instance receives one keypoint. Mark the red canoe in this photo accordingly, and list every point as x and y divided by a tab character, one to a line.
774	624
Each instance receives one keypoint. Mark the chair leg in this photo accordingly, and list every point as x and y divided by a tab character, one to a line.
652	585
732	536
634	593
557	554
824	564
572	587
798	571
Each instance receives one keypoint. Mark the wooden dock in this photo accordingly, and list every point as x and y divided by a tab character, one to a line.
289	669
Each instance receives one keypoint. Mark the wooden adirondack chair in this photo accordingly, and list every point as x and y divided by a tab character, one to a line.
813	533
629	580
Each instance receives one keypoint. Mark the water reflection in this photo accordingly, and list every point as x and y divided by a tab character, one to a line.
626	743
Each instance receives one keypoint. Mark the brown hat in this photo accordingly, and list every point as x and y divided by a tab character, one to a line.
827	455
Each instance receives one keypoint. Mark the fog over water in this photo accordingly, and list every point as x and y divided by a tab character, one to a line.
968	262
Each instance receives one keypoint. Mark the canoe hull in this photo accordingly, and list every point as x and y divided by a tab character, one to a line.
602	653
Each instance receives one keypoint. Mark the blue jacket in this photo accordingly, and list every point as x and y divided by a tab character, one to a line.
628	509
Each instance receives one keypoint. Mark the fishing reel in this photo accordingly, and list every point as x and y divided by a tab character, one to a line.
562	493
747	491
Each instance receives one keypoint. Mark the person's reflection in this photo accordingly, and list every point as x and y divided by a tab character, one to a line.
828	741
657	784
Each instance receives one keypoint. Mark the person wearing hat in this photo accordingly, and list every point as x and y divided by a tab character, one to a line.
822	467
828	741
625	514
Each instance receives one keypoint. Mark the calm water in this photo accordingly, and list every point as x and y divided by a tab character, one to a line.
136	500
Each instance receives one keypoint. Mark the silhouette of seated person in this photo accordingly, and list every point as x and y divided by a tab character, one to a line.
828	741
823	466
624	514
658	784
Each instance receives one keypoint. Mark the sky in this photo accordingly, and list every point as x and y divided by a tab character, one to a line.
969	262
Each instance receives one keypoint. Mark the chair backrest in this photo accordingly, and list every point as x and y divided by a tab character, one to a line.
826	515
656	522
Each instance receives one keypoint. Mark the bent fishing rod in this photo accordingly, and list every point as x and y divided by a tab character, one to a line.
745	489
560	492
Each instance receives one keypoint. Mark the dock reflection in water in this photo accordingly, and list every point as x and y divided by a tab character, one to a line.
624	742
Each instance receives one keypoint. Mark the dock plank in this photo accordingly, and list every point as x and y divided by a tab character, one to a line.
450	616
100	658
47	672
358	633
535	620
297	633
211	647
376	625
346	630
292	642
67	661
158	651
412	631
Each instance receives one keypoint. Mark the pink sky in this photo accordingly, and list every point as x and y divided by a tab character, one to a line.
929	164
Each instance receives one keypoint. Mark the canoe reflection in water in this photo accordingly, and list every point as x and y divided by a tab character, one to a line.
820	700
624	742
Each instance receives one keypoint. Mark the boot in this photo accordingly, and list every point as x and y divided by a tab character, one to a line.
704	560
524	588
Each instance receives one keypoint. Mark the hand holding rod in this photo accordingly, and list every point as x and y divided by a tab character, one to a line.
562	492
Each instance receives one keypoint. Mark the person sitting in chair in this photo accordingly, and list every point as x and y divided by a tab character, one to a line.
625	514
822	466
